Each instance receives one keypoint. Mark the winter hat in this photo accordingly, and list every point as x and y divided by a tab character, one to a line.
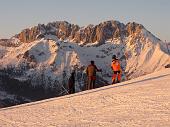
114	57
92	62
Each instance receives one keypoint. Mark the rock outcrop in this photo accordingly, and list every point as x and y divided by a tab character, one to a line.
63	30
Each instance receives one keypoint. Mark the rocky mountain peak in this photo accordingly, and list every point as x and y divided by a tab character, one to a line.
133	27
63	30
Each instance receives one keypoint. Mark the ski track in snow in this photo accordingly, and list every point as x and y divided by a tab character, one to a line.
144	101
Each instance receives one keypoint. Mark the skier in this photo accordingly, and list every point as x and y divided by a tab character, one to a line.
117	71
71	83
91	75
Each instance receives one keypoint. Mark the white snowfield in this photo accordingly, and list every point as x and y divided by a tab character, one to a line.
141	102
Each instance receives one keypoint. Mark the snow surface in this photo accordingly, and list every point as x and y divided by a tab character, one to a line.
144	101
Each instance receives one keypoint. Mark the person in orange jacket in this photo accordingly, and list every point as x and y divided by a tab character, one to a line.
91	75
117	71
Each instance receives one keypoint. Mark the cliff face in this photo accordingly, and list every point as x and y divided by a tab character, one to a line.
89	34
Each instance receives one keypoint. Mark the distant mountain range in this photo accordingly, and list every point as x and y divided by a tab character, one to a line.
44	55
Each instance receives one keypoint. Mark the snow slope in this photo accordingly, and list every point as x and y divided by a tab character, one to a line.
56	57
144	101
64	56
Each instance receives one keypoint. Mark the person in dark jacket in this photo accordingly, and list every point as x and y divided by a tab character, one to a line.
91	75
71	83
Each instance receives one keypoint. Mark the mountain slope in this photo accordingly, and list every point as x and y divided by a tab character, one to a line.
41	58
143	101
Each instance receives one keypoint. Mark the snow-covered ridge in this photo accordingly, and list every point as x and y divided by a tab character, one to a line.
138	56
143	101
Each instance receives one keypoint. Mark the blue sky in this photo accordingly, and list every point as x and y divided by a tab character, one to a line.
16	15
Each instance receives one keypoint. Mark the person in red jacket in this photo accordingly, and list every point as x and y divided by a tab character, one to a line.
117	71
